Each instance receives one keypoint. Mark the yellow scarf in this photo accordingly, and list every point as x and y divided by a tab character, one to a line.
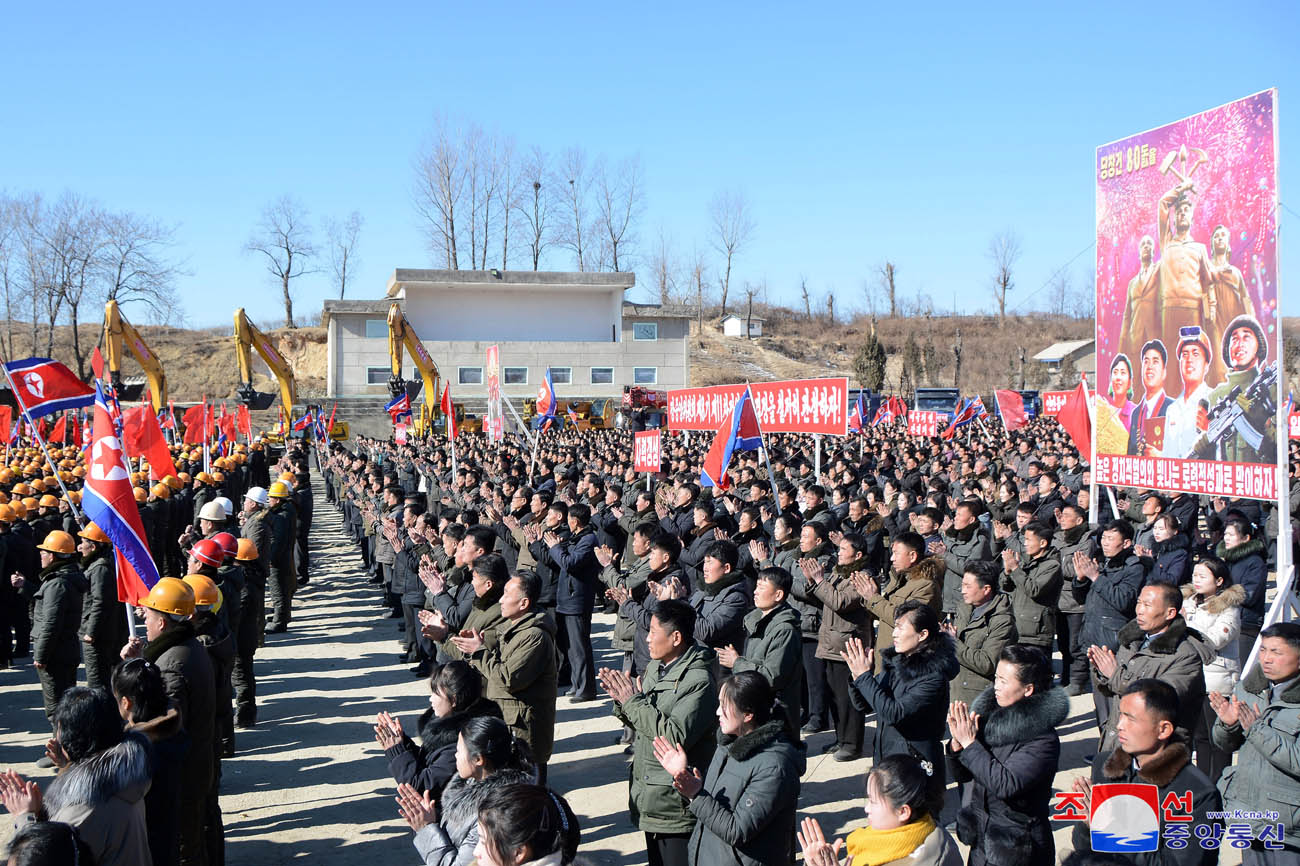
871	847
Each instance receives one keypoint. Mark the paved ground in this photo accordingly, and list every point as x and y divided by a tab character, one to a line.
310	781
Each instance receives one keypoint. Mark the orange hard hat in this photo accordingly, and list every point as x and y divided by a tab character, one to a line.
140	494
48	501
94	533
247	549
7	514
171	595
173	482
162	491
31	503
58	541
206	593
19	510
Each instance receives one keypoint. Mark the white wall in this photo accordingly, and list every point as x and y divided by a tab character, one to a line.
505	315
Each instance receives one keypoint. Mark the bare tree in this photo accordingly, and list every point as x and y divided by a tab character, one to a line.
342	237
619	201
699	279
1059	291
887	273
508	194
830	306
733	227
536	205
10	267
69	236
807	301
1004	252
283	237
439	189
574	181
664	268
482	180
752	290
135	265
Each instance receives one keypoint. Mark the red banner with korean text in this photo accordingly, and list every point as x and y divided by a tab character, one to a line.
1293	425
647	451
921	423
796	406
1188	339
1054	400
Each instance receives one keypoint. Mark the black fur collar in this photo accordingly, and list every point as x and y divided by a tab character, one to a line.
1256	684
1024	720
938	657
1165	642
1241	551
745	746
437	733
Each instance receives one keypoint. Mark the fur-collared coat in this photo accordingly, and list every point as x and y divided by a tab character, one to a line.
1172	772
910	699
451	841
1011	765
428	767
103	797
1218	619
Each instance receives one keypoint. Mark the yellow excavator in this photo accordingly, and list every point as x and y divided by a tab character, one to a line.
119	334
247	338
401	336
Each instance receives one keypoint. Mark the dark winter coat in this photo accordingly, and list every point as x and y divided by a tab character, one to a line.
1011	765
1171	560
746	810
103	617
1176	656
774	648
103	797
452	840
190	682
162	804
1067	541
910	699
429	766
963	546
1266	775
980	638
1110	599
58	614
720	610
220	644
1249	569
1035	588
575	585
802	598
520	664
1172	772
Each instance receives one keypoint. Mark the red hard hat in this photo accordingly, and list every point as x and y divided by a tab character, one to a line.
229	544
209	552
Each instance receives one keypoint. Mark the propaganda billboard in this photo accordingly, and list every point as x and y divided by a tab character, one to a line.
1188	328
796	406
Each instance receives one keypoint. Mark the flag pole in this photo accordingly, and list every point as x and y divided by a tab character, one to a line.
36	434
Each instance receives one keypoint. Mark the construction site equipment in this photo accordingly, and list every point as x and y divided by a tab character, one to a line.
247	338
119	334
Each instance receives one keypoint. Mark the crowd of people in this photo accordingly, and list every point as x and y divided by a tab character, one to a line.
927	606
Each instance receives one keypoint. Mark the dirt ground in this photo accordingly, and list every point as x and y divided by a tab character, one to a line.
311	782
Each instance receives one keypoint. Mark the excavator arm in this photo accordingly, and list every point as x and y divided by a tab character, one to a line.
119	334
247	338
401	336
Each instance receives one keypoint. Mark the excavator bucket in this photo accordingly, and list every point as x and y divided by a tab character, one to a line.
256	400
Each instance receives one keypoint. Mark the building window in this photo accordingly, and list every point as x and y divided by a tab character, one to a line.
376	329
602	375
378	375
469	375
515	376
562	375
645	330
645	375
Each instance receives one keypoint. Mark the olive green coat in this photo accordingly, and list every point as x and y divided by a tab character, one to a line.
519	661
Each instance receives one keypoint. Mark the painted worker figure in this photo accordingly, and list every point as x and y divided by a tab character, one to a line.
1194	356
1254	437
1155	402
1142	309
1186	282
1230	292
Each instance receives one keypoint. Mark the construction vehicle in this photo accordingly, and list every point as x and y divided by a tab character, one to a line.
642	408
402	336
119	334
247	338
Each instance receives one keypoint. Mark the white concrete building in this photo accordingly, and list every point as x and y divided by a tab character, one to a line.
734	326
576	323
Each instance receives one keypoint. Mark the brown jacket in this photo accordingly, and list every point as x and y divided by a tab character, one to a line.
923	582
843	613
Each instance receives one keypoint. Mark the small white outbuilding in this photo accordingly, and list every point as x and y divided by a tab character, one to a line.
734	326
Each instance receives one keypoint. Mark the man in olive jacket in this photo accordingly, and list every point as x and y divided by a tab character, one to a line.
519	662
965	543
1033	578
1259	721
677	700
983	626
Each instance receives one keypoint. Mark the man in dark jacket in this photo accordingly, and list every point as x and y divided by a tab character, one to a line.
772	641
1112	588
1033	578
55	646
103	617
1148	752
575	597
281	580
985	623
1073	536
190	682
966	543
721	599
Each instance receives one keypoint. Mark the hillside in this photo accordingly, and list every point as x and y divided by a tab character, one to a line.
202	362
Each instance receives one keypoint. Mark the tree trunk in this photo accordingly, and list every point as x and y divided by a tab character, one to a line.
749	317
288	300
726	285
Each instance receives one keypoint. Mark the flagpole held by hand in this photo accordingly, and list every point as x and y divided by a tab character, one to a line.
36	434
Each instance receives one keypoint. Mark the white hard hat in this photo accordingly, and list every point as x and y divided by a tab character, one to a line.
258	495
226	505
212	511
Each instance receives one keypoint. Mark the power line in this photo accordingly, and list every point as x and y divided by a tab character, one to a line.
1054	275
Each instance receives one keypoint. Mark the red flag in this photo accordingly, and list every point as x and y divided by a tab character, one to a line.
43	429
1076	420
193	421
329	428
60	430
169	422
142	437
97	363
243	422
6	422
449	410
227	426
1011	406
739	432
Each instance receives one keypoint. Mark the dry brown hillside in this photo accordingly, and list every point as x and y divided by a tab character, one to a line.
202	362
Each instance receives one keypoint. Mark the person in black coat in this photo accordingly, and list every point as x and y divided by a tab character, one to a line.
455	697
1110	589
1245	554
1170	553
910	695
1007	746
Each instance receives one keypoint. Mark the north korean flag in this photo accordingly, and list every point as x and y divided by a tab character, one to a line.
739	432
109	501
546	397
858	419
43	386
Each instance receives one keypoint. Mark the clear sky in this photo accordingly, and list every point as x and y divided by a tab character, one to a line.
857	131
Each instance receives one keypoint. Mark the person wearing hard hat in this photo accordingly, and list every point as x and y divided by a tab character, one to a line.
56	648
303	500
210	521
281	579
248	636
205	491
161	515
103	618
21	565
191	685
255	525
217	639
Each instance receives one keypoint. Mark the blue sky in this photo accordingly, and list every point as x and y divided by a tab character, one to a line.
857	131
